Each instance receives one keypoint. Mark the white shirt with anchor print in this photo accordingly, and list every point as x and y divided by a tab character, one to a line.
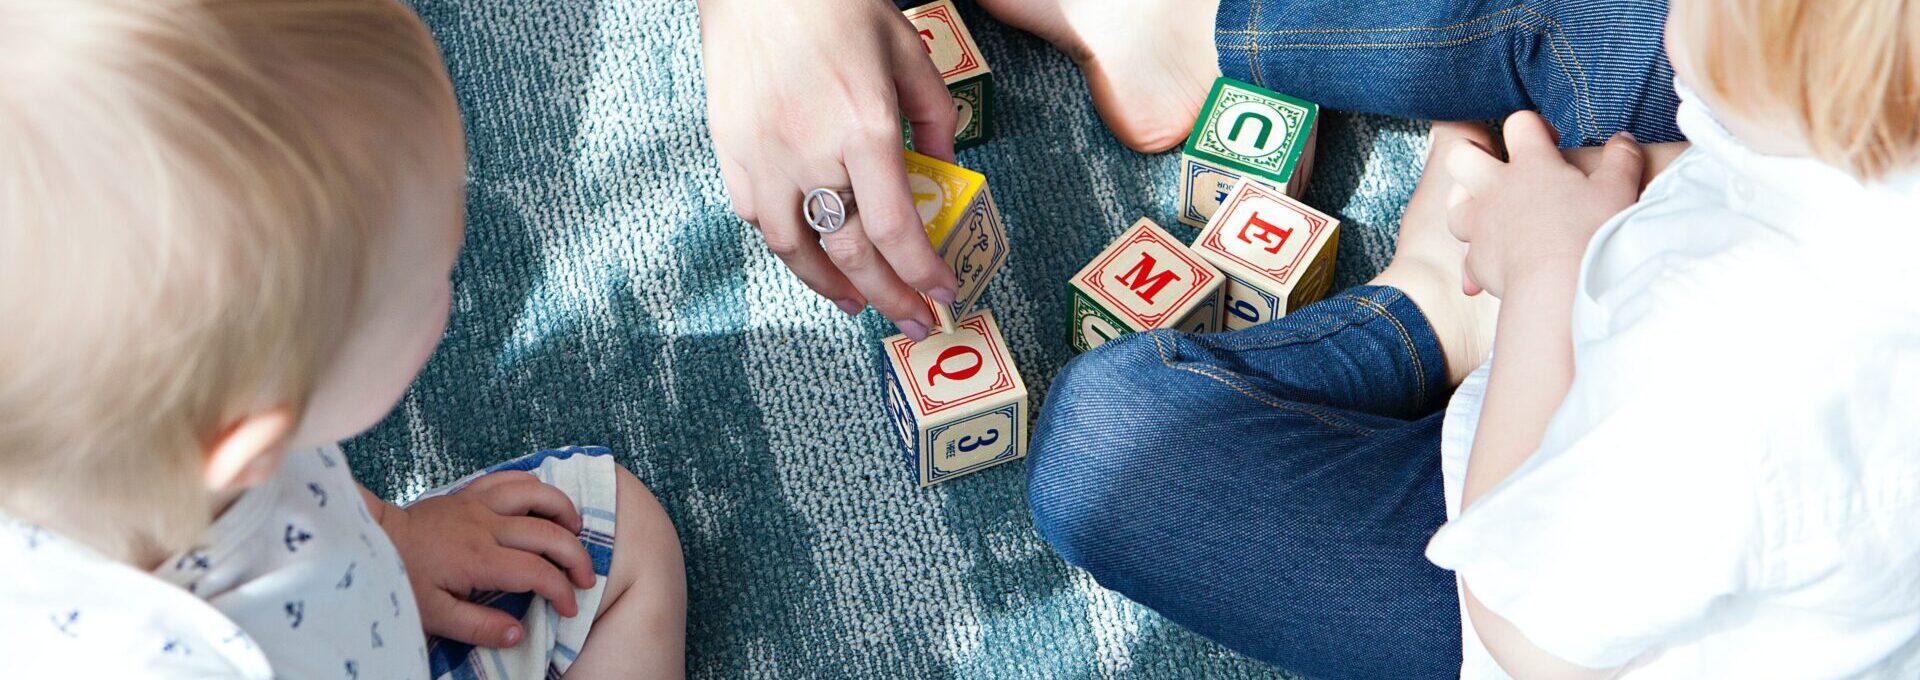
294	581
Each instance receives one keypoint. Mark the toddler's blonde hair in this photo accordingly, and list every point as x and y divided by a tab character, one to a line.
1846	72
185	197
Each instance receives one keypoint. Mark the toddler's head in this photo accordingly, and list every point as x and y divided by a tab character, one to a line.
1838	80
226	228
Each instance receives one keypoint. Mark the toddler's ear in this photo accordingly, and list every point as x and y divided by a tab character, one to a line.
249	450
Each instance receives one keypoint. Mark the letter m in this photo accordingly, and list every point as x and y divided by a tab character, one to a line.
1142	280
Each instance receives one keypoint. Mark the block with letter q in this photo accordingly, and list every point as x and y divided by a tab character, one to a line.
956	400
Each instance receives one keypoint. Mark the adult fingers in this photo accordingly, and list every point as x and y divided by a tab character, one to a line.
798	245
892	222
739	189
517	571
443	615
924	99
1622	163
855	255
533	497
1531	137
548	540
1475	171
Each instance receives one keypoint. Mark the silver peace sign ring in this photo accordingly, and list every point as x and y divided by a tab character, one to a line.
827	210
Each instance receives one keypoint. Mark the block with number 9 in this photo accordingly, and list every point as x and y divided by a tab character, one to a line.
951	47
956	400
1277	253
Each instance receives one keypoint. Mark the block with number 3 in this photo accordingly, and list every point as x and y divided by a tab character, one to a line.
1277	254
1245	131
1146	279
951	47
964	226
956	400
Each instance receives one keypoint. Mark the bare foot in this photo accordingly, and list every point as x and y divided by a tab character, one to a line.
1149	63
1429	264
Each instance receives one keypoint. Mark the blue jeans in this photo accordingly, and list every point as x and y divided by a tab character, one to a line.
1273	488
1591	67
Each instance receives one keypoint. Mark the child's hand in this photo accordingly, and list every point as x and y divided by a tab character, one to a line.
506	532
1533	215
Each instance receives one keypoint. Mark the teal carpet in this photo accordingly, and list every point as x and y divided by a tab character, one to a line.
608	296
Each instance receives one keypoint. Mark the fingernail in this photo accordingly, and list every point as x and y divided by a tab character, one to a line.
1627	136
915	330
850	307
513	636
942	295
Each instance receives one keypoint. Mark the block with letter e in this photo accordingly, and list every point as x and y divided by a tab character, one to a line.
1146	279
961	65
956	400
964	226
1245	132
1276	253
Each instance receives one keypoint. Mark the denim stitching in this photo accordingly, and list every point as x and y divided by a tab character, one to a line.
1228	381
1410	29
1256	45
1563	52
1556	38
1413	351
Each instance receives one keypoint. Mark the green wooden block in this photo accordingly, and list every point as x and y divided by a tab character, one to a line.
973	106
1244	131
1093	325
973	109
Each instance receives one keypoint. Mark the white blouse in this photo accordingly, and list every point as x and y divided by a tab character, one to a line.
1732	487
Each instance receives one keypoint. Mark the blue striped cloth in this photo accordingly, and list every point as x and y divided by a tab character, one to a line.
608	295
550	642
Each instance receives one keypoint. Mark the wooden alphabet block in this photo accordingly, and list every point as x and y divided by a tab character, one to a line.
962	67
964	226
1277	254
1146	279
956	400
1245	132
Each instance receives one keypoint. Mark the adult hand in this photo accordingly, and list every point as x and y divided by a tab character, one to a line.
1534	214
803	94
506	532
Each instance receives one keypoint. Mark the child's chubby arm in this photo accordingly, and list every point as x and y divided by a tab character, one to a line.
1527	223
508	532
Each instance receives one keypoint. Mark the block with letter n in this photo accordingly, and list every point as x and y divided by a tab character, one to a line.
1245	132
1277	254
1146	279
964	226
961	65
956	400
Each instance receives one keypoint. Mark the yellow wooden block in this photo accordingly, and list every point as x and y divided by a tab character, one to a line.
962	223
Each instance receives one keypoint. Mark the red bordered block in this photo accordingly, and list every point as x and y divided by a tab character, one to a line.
964	226
951	47
1277	254
1145	279
956	400
1245	131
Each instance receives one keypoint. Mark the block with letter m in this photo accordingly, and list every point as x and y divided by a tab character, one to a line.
1145	279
